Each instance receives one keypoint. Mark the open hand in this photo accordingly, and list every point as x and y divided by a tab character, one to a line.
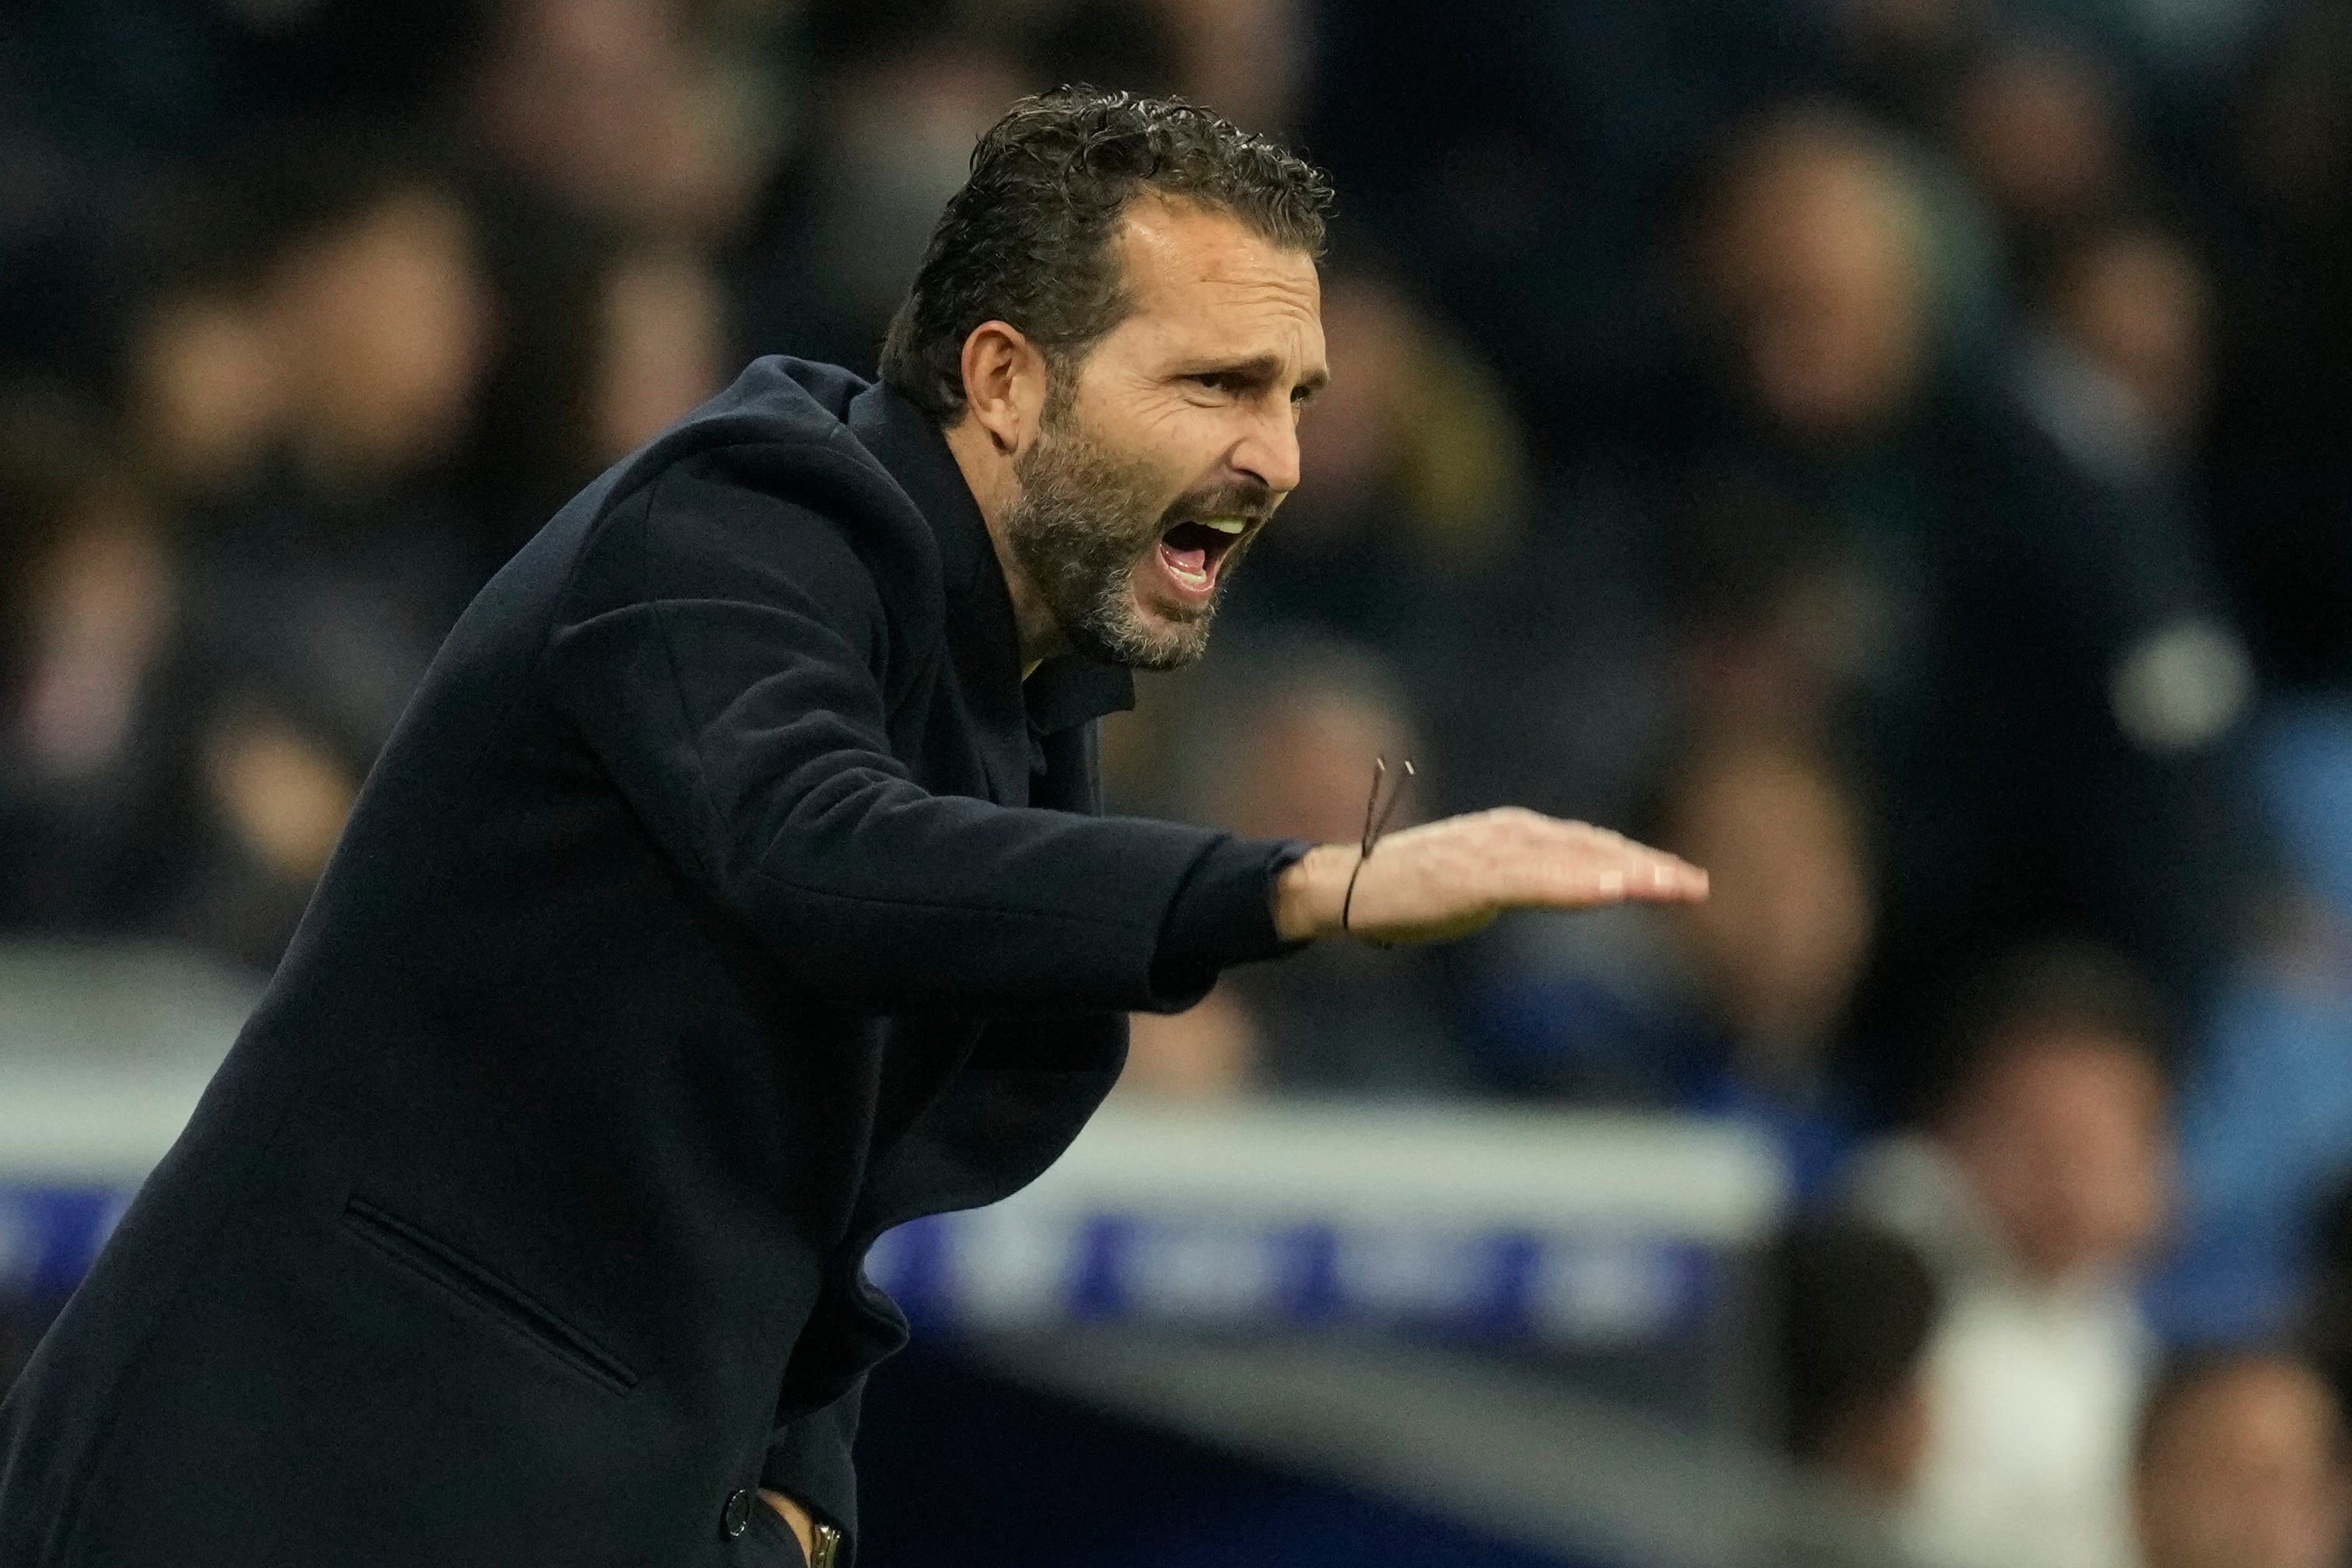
1447	878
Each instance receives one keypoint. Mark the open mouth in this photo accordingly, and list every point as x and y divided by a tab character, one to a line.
1189	553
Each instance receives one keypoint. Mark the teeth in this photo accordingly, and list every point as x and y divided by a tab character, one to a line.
1226	524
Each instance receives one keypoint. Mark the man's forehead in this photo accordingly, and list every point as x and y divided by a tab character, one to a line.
1179	259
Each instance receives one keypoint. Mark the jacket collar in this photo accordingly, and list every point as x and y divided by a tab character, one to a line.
1066	691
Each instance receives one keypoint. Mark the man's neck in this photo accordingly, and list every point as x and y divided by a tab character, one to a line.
988	474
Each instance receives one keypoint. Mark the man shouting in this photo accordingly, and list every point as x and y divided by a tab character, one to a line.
732	891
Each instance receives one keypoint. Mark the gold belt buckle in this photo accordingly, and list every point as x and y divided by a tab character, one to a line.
828	1548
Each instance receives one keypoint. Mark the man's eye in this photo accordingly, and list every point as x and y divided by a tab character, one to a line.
1216	380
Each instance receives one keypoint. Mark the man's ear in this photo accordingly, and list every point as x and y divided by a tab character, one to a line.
1005	385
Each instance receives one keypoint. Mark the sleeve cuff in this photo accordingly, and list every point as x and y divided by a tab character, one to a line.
809	1462
1223	914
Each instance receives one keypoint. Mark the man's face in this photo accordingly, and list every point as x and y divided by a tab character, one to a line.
1823	288
2067	1145
1168	446
2245	1471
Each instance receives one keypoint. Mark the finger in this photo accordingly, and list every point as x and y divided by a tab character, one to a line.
1667	879
1582	879
1654	874
1647	870
1602	869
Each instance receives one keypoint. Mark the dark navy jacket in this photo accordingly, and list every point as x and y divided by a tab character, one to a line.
724	898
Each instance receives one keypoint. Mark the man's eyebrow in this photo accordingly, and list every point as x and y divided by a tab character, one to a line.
1261	371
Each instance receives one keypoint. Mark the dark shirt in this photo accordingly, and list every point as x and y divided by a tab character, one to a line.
724	899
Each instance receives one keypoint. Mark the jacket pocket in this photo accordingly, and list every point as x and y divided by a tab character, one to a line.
477	1286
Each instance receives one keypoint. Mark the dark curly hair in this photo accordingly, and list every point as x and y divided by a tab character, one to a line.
1027	240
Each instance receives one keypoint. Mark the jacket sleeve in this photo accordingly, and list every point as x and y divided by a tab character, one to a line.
722	653
809	1461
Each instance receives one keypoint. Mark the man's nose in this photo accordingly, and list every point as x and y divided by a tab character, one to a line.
1269	451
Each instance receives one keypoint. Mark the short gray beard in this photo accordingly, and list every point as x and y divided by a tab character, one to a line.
1086	517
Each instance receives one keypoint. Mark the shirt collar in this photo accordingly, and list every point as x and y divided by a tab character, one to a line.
1065	691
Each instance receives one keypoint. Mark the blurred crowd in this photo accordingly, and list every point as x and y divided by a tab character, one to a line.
1896	453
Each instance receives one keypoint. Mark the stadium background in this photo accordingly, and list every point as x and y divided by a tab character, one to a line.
1897	453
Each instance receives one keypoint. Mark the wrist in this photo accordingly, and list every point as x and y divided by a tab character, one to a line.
801	1523
1308	892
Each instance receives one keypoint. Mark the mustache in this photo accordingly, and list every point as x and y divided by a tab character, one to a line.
1244	498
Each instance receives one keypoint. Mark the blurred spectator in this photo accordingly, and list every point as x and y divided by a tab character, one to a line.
315	297
1856	1310
93	752
662	339
2241	1464
607	341
1777	957
375	310
2041	125
206	401
899	96
1245	59
1813	258
623	108
2266	1116
1289	754
2030	658
2282	437
1206	1053
2118	365
221	629
1730	1009
322	576
2036	1192
2324	1321
1515	155
278	795
360	270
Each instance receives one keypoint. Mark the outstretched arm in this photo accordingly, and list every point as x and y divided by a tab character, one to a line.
719	652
